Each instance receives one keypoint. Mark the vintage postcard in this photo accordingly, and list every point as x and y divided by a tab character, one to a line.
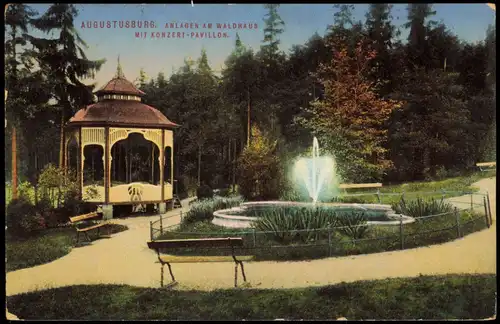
197	161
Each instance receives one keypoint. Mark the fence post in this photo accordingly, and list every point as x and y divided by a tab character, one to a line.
443	193
486	212
329	240
401	231
151	230
378	196
161	225
254	238
489	206
181	216
457	217
471	202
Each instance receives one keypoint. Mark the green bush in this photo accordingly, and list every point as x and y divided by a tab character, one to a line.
204	192
22	218
260	175
420	207
353	225
203	210
287	225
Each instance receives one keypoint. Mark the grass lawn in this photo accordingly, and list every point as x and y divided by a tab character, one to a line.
453	186
45	247
425	297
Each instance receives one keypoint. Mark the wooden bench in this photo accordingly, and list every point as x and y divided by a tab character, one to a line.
486	166
85	217
346	186
228	242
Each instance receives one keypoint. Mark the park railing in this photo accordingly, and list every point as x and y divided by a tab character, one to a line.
163	224
471	212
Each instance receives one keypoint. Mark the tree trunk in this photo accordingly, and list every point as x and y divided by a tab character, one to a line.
61	142
248	117
199	165
14	163
234	168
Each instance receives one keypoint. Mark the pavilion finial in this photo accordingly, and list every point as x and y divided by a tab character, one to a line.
119	71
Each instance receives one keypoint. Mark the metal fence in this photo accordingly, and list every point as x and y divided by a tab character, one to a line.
332	241
164	224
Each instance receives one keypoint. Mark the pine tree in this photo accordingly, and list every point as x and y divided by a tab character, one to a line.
17	20
65	60
381	33
274	26
419	25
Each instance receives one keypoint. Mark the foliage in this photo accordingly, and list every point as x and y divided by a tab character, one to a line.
203	210
421	207
259	168
285	225
54	181
350	120
353	225
22	219
204	192
429	131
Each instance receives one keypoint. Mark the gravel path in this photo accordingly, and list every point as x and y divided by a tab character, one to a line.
126	259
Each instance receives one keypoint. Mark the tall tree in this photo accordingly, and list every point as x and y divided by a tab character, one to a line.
17	20
381	34
350	120
419	25
274	27
65	60
434	128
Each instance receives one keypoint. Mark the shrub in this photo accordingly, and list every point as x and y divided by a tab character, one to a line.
203	210
48	212
204	192
286	224
26	190
22	218
420	207
353	225
259	169
56	184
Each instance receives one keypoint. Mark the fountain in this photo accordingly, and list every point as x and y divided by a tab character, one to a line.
313	173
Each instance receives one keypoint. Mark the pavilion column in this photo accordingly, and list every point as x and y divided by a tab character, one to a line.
81	160
162	206
107	209
172	167
107	165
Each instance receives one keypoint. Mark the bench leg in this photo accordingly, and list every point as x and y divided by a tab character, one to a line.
243	272
77	237
162	265
236	274
169	270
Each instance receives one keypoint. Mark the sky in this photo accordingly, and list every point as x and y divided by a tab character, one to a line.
154	55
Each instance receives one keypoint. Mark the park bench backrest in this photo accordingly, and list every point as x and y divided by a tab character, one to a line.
83	217
205	242
359	185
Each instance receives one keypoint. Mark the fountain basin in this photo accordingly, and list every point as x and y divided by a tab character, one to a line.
244	215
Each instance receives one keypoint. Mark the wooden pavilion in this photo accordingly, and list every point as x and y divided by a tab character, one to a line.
121	149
